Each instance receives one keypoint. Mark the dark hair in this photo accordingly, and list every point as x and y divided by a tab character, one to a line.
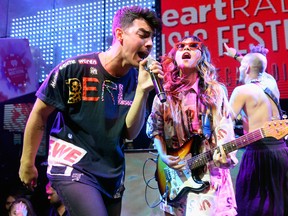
126	15
16	193
30	209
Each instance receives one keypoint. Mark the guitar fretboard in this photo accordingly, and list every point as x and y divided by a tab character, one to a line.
201	159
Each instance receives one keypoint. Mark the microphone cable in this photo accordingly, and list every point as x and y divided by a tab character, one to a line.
148	185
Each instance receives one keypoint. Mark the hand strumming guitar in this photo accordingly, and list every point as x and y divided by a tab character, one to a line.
172	161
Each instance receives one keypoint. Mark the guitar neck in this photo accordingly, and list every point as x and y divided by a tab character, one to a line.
201	159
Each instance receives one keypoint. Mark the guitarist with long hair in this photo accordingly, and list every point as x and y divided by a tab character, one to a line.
262	181
194	119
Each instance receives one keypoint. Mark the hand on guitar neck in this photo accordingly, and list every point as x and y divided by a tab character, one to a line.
221	159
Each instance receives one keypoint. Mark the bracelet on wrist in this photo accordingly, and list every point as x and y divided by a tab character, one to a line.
236	55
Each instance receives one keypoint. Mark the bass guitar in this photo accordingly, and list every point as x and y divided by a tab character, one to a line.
173	184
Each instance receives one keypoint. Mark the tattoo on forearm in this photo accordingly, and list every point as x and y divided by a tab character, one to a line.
40	127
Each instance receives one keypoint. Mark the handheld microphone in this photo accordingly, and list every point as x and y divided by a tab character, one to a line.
156	81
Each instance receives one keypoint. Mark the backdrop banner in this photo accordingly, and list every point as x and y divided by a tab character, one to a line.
237	23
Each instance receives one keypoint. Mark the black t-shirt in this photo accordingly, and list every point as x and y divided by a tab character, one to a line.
86	142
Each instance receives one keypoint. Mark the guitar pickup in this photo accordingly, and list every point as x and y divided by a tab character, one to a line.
167	174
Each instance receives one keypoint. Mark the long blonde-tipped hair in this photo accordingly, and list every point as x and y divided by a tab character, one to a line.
212	93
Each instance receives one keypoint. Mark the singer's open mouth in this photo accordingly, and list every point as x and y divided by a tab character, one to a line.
186	55
143	55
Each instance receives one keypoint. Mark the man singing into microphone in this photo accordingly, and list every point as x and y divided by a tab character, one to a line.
99	98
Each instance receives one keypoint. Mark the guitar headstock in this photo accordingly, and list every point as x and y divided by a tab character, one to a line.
277	128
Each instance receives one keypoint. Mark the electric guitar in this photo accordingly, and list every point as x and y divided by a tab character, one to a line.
173	184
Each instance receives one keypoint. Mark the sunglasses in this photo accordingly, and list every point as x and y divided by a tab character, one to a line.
192	45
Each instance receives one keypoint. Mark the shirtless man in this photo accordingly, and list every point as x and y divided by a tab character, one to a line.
232	52
261	185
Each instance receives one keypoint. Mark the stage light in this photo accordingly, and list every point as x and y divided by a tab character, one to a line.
71	30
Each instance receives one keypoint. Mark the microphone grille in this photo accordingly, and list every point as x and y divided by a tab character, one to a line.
150	60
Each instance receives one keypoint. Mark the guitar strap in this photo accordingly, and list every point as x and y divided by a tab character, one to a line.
273	98
206	122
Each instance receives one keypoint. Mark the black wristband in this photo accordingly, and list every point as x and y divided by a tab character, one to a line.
236	55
